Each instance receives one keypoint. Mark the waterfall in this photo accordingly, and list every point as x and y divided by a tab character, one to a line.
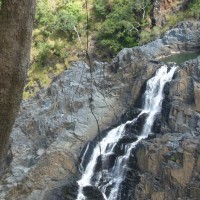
109	176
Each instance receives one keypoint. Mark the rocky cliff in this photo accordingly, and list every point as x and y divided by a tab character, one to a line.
167	166
165	10
169	163
52	128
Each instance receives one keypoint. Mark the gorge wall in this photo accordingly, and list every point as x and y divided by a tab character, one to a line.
169	163
52	128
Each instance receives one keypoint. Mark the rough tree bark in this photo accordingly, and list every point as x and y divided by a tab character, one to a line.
16	21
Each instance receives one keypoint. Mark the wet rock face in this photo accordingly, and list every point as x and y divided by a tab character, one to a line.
181	105
92	193
136	128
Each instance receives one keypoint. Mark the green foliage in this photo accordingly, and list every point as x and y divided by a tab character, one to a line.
55	21
174	158
64	18
113	25
194	9
44	51
145	36
45	15
54	37
174	19
49	53
122	26
101	9
68	17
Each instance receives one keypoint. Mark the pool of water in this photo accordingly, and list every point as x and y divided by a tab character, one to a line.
181	57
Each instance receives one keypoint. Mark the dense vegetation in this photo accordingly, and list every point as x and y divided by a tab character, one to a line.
62	26
123	21
57	27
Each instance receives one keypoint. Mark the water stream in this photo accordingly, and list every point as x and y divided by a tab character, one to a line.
107	166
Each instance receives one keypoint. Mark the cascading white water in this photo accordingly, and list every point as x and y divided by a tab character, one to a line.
109	179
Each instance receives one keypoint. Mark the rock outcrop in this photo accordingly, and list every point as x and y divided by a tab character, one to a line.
170	167
183	99
52	128
165	10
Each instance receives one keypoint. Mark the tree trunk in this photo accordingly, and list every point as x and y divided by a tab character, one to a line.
16	22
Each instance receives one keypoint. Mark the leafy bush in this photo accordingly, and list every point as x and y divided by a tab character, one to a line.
49	53
194	9
44	51
45	15
56	25
69	17
101	9
144	37
122	26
